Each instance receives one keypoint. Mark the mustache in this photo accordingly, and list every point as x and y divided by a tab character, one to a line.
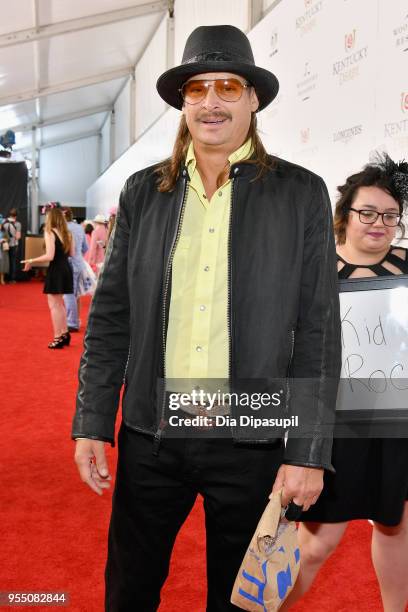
206	116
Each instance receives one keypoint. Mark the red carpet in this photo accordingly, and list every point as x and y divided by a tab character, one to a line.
54	528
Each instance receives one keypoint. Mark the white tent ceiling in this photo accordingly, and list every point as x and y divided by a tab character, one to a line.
64	63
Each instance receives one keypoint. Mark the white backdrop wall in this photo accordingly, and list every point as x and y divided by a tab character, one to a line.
66	171
344	81
148	70
190	14
122	121
153	146
343	76
105	145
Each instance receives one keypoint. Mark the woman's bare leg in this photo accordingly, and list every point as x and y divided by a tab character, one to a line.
58	314
389	547
317	541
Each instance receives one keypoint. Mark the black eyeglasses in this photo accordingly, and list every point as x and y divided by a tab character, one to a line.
371	216
229	90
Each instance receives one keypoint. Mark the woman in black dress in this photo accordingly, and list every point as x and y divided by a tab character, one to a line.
371	480
59	245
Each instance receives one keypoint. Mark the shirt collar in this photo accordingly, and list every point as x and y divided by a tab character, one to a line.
240	154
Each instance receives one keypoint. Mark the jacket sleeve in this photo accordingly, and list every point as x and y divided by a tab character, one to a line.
315	367
106	343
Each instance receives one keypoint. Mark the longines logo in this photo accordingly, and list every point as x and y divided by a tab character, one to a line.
404	102
400	34
346	135
347	68
307	21
274	43
308	84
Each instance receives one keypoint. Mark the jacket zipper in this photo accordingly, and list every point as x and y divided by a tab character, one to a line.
157	435
229	305
229	301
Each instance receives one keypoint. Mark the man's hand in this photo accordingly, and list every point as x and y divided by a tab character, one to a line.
92	465
303	485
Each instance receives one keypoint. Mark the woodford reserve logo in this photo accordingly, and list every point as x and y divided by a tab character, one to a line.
307	85
400	34
307	21
347	68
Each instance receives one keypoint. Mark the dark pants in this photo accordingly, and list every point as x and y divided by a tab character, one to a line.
13	252
153	497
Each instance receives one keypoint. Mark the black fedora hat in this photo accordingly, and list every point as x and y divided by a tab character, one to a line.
222	48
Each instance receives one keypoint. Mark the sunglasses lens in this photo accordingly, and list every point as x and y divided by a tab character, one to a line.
229	90
194	91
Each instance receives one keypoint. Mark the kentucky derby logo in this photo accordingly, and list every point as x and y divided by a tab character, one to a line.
404	102
304	135
350	41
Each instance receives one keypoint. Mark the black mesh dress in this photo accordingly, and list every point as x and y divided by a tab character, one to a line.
59	274
371	480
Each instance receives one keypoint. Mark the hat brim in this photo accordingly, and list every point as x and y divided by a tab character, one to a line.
265	83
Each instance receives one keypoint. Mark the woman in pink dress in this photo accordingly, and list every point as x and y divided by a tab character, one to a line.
88	228
98	243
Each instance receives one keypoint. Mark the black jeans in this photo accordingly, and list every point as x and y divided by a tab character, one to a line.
13	253
153	497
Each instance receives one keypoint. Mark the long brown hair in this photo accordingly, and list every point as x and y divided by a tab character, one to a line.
55	219
169	169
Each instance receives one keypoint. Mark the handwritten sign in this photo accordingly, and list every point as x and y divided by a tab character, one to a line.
374	334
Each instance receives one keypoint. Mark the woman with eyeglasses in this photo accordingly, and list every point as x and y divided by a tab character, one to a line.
371	480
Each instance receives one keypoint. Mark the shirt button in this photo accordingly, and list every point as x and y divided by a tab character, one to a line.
204	196
207	269
202	307
236	170
211	230
220	193
199	349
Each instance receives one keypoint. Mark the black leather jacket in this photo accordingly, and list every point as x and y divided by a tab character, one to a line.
283	302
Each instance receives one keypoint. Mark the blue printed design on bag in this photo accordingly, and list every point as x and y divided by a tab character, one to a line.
297	555
261	587
284	581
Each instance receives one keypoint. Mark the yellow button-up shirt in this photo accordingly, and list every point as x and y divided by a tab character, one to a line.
197	336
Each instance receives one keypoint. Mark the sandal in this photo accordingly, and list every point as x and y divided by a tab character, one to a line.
57	343
66	337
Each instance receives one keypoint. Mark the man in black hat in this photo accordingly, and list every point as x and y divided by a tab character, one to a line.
221	274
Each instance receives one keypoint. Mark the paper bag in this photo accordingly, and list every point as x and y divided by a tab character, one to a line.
271	563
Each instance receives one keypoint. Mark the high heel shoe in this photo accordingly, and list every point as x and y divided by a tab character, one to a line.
66	337
57	343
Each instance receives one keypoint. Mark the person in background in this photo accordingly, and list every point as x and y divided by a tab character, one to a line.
59	245
88	229
371	479
12	227
4	252
72	300
111	221
98	244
